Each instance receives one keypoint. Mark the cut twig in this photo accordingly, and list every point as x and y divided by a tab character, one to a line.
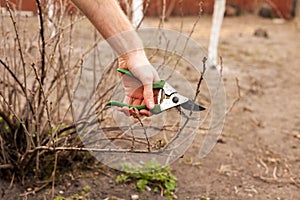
199	83
144	130
188	117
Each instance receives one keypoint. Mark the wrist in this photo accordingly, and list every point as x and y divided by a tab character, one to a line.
135	58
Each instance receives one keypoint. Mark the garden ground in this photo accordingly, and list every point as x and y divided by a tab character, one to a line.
258	154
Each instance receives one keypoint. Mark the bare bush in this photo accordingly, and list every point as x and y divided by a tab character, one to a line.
37	66
39	59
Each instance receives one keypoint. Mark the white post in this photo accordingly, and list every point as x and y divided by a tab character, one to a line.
137	12
218	15
51	14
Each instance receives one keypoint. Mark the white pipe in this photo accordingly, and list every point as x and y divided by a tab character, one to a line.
137	12
218	15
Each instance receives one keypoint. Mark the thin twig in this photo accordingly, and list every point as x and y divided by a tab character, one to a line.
187	41
199	83
163	12
43	51
145	131
6	166
12	180
53	174
188	117
19	43
36	190
88	149
45	99
20	84
145	11
133	139
237	99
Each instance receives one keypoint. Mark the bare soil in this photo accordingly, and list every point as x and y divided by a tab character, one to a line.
258	154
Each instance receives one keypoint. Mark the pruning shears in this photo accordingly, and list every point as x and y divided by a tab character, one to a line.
168	98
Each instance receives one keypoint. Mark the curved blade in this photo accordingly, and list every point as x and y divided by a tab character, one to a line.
189	105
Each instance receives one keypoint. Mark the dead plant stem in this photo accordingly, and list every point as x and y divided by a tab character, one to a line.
18	42
43	50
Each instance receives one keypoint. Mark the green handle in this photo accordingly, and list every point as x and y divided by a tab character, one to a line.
156	85
127	72
154	110
121	104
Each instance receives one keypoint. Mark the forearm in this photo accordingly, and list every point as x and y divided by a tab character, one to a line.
105	15
112	23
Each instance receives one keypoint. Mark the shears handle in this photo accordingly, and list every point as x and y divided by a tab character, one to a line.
121	104
156	85
154	110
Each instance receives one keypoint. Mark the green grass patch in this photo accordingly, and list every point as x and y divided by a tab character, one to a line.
152	175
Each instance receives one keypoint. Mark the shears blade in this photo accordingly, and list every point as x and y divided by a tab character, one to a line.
189	105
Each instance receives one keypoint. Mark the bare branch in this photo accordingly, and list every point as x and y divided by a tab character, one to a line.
19	83
237	99
43	50
199	83
18	41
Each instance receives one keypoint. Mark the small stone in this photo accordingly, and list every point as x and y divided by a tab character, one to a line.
221	141
68	184
296	134
261	33
134	197
29	189
148	188
61	192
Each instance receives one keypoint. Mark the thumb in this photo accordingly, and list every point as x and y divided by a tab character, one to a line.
148	96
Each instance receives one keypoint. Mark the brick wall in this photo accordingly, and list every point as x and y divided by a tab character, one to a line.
188	7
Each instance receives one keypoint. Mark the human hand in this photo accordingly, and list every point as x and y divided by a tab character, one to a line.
138	92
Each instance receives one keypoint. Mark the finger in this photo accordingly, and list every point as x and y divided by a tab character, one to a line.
148	96
137	112
137	102
125	110
145	113
155	96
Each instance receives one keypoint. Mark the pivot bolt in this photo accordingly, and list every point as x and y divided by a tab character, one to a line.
175	99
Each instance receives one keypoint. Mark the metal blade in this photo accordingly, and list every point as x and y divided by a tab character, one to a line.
189	105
